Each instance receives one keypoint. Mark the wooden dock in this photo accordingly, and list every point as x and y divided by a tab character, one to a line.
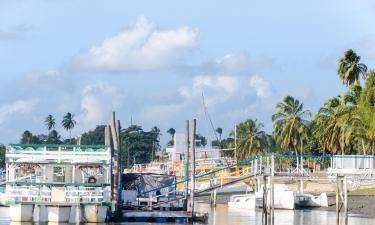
162	216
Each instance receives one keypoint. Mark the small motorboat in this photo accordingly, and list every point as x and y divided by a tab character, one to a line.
308	200
283	197
242	201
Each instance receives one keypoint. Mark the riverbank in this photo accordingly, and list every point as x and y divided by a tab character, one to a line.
363	205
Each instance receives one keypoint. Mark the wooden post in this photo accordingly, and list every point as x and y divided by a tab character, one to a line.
341	198
187	162
345	187
337	201
272	216
192	148
114	127
265	201
272	165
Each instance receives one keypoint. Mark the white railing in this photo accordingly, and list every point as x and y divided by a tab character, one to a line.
28	194
87	194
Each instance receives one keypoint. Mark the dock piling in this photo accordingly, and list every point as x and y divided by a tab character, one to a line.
341	198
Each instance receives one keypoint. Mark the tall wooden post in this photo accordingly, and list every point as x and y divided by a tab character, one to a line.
187	162
192	183
265	200
341	198
337	200
115	145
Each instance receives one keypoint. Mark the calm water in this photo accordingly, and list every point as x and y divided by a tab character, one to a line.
223	216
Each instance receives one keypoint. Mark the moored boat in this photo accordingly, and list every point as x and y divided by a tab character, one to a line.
242	201
283	197
308	200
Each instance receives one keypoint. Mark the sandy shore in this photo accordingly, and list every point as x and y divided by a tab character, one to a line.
360	205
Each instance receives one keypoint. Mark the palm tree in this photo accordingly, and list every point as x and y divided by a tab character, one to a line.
27	137
290	124
50	122
172	132
366	112
250	138
220	132
333	128
68	123
350	69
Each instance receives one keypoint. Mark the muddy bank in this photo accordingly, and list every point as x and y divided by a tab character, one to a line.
357	204
360	205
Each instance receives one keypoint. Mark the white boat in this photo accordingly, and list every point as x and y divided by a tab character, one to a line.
283	197
307	200
3	197
242	201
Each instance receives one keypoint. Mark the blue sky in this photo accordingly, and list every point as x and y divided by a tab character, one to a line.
151	60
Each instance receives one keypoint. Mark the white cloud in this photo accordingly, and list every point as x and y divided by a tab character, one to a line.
98	99
20	106
141	46
236	64
261	86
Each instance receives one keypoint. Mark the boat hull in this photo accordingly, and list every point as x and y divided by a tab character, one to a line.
242	201
282	200
307	200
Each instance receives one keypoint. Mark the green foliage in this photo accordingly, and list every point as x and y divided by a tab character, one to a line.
366	112
94	137
50	122
200	140
172	132
250	138
350	69
137	145
68	123
2	155
28	138
53	138
290	124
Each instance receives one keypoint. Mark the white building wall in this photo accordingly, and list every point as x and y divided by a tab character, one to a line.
177	152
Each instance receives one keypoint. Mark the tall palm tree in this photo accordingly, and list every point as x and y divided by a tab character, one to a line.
250	138
50	122
220	132
333	125
172	132
366	111
290	123
350	69
68	123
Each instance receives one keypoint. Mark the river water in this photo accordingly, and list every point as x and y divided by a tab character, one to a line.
223	215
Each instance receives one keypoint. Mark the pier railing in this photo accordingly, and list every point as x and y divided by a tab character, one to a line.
360	167
30	153
43	194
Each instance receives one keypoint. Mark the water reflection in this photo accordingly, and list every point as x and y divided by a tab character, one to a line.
223	215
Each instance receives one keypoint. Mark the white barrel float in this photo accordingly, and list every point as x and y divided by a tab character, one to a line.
21	213
58	213
95	213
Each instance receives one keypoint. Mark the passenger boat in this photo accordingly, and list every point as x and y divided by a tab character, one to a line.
283	197
308	200
53	180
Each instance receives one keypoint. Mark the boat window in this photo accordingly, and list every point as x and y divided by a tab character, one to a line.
59	174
